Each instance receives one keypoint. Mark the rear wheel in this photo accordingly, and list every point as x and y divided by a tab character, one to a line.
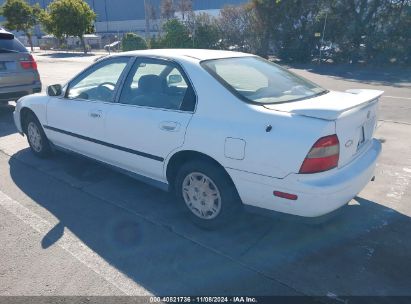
36	137
208	195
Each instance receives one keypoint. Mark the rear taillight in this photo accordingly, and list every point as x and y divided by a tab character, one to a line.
323	155
29	63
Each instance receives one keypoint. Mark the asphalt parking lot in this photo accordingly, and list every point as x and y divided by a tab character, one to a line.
69	226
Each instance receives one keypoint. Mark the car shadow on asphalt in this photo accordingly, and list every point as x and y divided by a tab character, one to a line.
139	230
6	120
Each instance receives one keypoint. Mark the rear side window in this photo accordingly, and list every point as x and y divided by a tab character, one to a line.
157	83
12	45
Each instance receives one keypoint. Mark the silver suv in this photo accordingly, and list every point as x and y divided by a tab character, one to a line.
18	69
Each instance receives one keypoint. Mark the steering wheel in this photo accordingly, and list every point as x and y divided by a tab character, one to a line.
104	91
105	84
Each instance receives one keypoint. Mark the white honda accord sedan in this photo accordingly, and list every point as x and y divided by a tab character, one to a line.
220	129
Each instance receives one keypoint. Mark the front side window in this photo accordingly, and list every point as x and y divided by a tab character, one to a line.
99	82
259	81
158	84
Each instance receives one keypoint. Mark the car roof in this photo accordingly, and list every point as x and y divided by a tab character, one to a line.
187	54
5	33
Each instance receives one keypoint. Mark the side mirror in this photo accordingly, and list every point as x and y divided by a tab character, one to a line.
54	90
174	79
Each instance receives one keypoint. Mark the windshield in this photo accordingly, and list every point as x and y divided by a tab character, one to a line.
256	80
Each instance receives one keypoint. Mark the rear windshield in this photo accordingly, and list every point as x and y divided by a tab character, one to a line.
8	45
257	80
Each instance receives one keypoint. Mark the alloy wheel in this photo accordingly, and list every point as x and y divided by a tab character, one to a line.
201	195
34	136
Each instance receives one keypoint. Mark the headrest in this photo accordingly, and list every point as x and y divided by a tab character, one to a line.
150	83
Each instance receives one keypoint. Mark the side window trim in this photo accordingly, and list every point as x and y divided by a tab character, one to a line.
177	65
94	67
122	80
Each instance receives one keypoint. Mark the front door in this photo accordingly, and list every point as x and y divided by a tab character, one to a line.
76	121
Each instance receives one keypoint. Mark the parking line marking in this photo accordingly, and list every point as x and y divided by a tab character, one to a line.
396	97
70	243
395	122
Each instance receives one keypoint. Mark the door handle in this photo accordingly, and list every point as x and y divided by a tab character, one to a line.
170	126
95	113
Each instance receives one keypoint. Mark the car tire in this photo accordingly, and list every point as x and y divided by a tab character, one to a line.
205	191
37	139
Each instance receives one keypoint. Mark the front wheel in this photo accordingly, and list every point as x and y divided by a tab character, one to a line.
36	137
207	193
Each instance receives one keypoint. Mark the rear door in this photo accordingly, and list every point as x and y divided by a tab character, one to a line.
13	55
151	116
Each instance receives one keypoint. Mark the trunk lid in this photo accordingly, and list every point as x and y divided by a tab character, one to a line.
354	112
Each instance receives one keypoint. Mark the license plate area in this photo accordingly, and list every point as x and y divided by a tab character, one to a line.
8	66
361	139
366	132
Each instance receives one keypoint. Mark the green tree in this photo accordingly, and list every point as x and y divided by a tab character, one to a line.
269	15
69	18
240	28
204	31
132	42
176	35
233	27
21	17
349	22
398	33
370	30
155	43
289	27
297	34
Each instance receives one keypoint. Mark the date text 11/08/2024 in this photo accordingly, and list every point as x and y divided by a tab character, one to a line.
203	299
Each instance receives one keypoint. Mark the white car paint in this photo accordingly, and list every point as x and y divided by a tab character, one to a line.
231	132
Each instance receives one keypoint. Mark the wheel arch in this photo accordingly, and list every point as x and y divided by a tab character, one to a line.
24	112
183	156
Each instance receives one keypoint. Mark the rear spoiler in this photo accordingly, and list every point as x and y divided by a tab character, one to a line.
371	94
329	106
364	97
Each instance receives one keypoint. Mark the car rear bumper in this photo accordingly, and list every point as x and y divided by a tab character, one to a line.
318	194
13	93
